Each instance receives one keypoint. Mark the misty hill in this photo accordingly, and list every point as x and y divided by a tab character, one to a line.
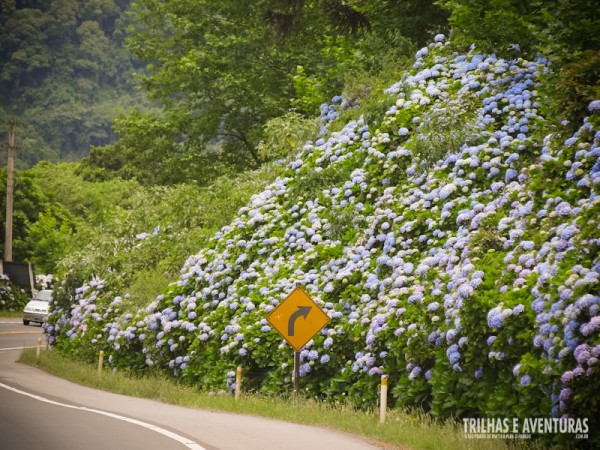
63	75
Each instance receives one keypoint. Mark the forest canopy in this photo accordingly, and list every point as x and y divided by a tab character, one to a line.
221	70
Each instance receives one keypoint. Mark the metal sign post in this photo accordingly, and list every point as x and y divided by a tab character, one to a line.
298	319
296	372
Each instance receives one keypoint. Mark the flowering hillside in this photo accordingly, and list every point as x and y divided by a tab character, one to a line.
454	247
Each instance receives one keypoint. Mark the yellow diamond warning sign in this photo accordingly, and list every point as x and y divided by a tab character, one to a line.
298	318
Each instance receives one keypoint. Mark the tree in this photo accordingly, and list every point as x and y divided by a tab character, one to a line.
217	69
563	31
220	70
29	201
24	51
50	236
557	28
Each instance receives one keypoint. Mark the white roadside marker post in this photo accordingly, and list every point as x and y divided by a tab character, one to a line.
100	362
238	382
383	401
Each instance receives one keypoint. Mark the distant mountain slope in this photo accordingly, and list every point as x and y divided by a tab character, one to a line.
63	74
455	248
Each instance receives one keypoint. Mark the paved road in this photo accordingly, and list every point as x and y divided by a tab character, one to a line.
13	334
40	411
37	420
27	423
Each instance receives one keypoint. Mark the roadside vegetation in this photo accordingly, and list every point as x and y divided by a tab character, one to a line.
12	314
428	170
402	430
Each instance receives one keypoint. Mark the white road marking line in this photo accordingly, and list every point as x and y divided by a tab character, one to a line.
185	441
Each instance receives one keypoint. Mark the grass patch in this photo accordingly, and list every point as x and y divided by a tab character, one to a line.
11	314
402	430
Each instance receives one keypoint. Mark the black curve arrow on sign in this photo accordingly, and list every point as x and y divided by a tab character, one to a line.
302	311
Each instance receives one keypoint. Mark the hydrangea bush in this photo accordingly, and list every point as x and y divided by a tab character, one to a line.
12	297
454	247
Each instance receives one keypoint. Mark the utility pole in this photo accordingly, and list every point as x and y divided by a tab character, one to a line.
10	181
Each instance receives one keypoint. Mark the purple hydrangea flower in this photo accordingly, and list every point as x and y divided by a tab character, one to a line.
592	326
414	373
525	380
495	318
594	105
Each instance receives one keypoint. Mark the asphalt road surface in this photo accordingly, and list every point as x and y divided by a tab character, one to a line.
15	335
42	412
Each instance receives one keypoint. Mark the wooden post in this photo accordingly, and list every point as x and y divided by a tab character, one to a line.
39	348
10	181
296	372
